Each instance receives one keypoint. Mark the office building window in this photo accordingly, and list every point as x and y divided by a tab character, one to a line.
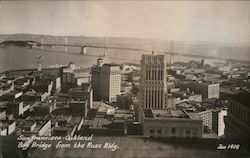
173	131
166	131
187	131
159	131
151	131
195	131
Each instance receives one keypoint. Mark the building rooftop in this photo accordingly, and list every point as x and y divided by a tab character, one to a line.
77	90
43	104
65	129
101	106
32	93
75	120
3	103
170	114
97	122
35	118
63	118
111	64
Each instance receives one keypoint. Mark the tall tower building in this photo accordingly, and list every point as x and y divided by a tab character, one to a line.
153	86
110	82
96	75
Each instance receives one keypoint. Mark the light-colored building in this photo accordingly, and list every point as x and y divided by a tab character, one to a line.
39	129
207	90
218	122
8	125
2	113
171	123
110	82
206	116
153	85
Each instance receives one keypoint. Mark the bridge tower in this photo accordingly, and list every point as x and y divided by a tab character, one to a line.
171	60
83	50
42	42
65	42
39	63
229	64
105	48
105	51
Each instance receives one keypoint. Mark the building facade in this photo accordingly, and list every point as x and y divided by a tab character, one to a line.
238	116
206	116
218	122
207	90
174	123
153	84
110	82
95	80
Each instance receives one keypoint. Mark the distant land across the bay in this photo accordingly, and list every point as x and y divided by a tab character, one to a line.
14	56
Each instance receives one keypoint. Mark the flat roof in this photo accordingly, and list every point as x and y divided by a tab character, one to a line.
101	106
168	114
111	64
43	104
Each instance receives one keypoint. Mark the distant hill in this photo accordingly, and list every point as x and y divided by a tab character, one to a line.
18	43
233	50
137	42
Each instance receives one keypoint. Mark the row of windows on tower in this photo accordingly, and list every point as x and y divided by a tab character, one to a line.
240	113
154	75
154	98
118	72
154	60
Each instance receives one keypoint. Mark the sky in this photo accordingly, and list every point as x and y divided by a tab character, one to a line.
214	21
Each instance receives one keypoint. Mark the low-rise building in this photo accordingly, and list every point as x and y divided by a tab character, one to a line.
2	113
17	108
11	96
207	90
172	123
78	108
206	115
9	125
43	108
35	96
41	128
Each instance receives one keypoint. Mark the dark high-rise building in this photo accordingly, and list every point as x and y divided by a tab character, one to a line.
238	116
96	74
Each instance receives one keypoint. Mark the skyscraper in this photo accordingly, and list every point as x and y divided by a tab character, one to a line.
110	82
96	74
238	116
153	86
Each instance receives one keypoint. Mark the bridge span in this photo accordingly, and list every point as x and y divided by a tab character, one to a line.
83	51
